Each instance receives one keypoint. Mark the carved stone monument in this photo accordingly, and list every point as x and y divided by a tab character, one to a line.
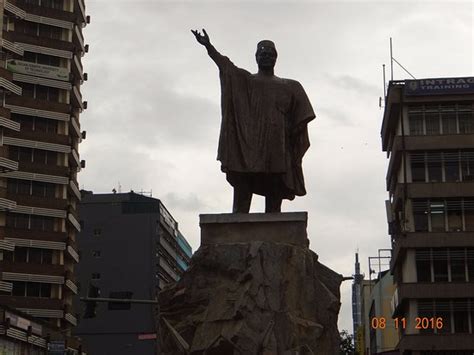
254	286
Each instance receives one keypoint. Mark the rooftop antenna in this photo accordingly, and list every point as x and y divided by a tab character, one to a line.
119	188
392	59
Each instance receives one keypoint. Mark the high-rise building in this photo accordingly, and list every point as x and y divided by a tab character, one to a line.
40	79
130	247
428	134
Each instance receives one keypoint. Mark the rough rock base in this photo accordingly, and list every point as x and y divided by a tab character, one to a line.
252	298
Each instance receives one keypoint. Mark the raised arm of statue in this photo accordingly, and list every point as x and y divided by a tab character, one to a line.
204	40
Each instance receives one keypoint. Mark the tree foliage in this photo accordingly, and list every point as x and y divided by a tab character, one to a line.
347	343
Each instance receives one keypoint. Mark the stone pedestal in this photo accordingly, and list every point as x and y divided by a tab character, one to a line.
253	287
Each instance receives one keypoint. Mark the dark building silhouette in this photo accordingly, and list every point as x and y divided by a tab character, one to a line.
40	79
130	247
428	134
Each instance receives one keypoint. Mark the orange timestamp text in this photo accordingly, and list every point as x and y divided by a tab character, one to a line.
420	323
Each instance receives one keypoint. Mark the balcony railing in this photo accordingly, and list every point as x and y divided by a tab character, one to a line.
70	318
73	253
7	205
22	175
13	276
82	8
35	18
80	38
10	233
36	145
12	47
74	221
45	50
75	189
78	66
72	286
49	212
7	245
10	86
6	286
43	313
8	165
75	125
41	244
38	113
23	78
78	97
10	124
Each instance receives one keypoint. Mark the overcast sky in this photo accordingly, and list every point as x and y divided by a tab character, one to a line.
154	116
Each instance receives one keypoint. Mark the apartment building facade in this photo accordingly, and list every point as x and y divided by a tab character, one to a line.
130	247
41	74
428	134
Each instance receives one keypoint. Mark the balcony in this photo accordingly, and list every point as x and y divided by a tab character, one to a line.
41	244
73	253
77	97
36	177
8	232
7	245
45	137
37	201
74	158
10	124
49	212
7	205
12	47
40	168
28	277
41	108
6	84
82	9
79	38
70	318
71	286
41	45
75	189
74	123
24	78
77	67
6	286
11	7
33	302
60	148
42	11
32	269
73	220
7	165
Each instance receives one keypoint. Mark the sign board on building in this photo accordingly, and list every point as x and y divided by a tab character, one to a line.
148	336
440	86
23	323
45	71
56	347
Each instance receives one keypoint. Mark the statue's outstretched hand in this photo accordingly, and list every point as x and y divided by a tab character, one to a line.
202	39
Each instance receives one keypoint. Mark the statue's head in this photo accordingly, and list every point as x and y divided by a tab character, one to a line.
266	54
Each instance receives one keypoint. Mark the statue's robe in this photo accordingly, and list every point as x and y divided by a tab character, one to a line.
264	130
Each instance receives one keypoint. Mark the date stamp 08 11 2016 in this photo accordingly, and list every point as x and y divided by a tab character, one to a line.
420	323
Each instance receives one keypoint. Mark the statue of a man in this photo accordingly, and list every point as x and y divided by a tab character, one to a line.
264	131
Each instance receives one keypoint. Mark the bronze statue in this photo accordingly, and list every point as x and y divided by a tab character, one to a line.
264	131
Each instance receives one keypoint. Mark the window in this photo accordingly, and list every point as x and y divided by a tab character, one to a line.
435	173
434	119
417	167
437	215
416	124
440	265
449	122
425	309
96	253
95	276
457	260
423	265
443	310
97	232
432	123
19	288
